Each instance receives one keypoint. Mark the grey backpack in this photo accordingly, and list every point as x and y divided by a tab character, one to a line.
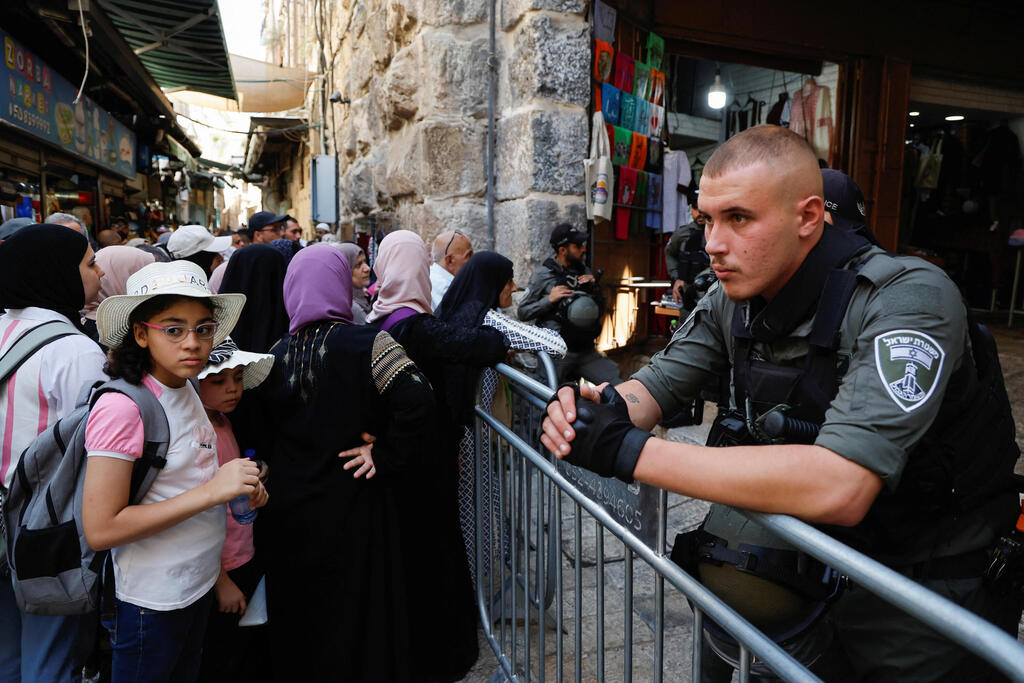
53	569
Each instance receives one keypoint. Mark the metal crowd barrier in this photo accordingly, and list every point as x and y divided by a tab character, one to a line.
525	578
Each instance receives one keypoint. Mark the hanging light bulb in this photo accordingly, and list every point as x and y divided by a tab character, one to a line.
716	93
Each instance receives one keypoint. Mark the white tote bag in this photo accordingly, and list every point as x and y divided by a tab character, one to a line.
598	172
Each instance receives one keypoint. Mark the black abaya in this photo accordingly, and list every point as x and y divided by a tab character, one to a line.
335	546
437	573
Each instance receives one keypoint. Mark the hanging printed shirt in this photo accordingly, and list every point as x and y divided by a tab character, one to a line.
655	50
627	111
610	103
604	56
641	80
623	72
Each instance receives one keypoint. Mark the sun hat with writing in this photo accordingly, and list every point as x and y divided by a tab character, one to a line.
227	356
180	278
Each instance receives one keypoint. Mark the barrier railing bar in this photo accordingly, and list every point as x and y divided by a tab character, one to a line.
542	580
536	388
578	576
502	500
559	650
953	621
659	594
744	664
627	626
599	597
775	657
514	543
698	649
524	537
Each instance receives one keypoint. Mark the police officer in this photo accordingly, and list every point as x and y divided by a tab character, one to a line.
684	254
564	296
913	459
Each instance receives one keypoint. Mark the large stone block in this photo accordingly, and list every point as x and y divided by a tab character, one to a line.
431	217
400	88
357	191
523	230
448	12
550	60
453	158
512	11
453	73
541	151
403	164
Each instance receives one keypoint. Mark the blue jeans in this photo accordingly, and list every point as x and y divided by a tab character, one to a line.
38	649
151	646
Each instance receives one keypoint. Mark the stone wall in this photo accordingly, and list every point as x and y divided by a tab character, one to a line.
412	142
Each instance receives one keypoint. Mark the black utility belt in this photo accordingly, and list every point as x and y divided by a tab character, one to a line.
969	565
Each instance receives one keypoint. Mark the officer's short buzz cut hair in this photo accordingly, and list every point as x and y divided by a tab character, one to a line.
773	145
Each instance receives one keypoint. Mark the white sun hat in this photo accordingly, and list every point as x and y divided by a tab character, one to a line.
192	239
180	278
227	356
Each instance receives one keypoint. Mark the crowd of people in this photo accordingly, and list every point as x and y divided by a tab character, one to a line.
336	398
332	399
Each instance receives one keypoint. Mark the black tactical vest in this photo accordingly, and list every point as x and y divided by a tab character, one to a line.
963	462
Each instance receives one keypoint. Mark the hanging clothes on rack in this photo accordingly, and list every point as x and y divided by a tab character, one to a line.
811	117
676	177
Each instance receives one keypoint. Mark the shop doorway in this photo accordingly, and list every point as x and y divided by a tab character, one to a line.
962	189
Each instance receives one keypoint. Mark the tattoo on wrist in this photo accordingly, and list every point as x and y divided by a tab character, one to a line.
632	398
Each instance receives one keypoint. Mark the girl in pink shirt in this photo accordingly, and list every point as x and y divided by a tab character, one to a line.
166	548
228	372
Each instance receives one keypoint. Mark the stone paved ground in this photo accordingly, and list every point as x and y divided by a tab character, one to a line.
683	513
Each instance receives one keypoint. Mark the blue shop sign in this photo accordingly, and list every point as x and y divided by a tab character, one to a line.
41	103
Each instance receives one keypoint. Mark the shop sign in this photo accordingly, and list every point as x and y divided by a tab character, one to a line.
40	102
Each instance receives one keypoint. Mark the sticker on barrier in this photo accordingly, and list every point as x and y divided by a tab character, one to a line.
635	505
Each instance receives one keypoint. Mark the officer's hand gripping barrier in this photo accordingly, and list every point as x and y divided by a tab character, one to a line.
607	442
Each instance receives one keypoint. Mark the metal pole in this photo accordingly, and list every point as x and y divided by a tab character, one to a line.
492	81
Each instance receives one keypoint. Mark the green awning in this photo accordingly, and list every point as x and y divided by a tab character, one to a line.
180	42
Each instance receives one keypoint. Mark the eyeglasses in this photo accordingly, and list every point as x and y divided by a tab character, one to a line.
455	233
276	228
177	333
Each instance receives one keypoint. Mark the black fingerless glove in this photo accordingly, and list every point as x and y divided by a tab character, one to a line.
607	442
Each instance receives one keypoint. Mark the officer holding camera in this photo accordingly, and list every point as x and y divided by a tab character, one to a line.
863	399
565	296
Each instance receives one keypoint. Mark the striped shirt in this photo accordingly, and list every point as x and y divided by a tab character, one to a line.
45	387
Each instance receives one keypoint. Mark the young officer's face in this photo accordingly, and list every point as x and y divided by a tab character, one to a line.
753	229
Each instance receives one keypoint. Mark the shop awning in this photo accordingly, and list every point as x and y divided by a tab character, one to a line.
180	42
261	86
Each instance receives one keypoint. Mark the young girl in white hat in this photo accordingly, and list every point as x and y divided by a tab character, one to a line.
166	550
228	372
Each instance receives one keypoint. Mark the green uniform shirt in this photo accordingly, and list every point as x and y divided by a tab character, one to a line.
904	334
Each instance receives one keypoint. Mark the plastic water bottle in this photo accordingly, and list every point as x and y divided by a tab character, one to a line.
239	505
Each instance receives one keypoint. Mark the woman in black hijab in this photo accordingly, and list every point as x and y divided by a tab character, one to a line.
474	291
481	287
45	266
258	272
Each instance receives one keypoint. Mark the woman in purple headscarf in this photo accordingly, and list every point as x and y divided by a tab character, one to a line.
336	585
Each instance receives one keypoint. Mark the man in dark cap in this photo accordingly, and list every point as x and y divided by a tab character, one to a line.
266	227
564	296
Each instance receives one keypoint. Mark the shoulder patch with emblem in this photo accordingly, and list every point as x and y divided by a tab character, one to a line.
909	363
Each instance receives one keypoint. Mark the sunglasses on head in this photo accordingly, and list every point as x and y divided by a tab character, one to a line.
455	233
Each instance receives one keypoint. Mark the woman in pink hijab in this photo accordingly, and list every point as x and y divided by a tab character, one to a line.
118	264
441	587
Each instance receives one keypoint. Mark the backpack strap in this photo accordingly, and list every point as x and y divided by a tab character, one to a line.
157	434
30	342
396	317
